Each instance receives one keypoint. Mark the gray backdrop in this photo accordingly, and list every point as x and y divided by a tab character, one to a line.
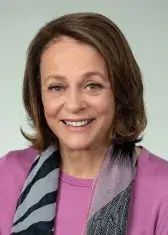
144	23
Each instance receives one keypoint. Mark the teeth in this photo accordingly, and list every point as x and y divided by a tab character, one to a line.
80	123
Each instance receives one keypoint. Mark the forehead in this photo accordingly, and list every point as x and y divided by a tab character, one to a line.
67	55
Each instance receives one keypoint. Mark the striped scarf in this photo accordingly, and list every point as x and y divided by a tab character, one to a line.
36	207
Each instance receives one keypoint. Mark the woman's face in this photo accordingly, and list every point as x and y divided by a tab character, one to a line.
76	94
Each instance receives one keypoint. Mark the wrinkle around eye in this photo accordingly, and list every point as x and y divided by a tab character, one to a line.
94	86
56	88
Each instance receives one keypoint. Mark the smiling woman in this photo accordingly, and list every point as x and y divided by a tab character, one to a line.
78	99
84	172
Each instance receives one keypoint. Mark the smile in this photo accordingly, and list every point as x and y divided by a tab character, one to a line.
78	123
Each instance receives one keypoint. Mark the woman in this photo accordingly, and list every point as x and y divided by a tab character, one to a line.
84	173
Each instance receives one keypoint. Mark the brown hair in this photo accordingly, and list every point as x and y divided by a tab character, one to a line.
126	80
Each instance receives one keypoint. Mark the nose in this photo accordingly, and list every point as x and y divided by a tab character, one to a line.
74	102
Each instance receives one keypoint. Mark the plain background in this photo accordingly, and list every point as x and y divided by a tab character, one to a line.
145	25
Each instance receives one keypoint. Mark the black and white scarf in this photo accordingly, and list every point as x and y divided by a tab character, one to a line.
36	207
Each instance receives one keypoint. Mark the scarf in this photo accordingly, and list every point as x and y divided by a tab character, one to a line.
36	206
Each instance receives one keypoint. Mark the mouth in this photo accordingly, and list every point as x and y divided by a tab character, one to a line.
79	123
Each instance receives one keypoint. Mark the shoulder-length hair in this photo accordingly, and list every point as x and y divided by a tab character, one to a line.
124	73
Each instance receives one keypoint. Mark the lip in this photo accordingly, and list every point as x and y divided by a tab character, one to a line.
78	128
77	120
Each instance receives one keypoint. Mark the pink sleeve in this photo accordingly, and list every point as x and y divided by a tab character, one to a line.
14	167
164	226
2	166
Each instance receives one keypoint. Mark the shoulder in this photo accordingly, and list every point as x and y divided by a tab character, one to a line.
16	158
152	181
153	168
149	202
152	173
14	167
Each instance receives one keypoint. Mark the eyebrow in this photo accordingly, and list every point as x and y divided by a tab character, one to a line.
59	77
85	75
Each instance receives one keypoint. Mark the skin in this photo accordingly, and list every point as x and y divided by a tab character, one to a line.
75	86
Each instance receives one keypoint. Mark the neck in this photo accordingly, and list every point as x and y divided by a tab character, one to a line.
84	164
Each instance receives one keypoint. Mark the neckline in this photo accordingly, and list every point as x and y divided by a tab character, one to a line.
75	181
89	182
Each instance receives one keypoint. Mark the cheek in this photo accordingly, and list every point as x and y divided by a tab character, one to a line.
105	106
51	107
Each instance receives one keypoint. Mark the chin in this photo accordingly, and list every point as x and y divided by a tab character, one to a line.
76	145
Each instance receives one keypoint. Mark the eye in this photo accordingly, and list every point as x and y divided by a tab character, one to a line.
94	86
56	88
